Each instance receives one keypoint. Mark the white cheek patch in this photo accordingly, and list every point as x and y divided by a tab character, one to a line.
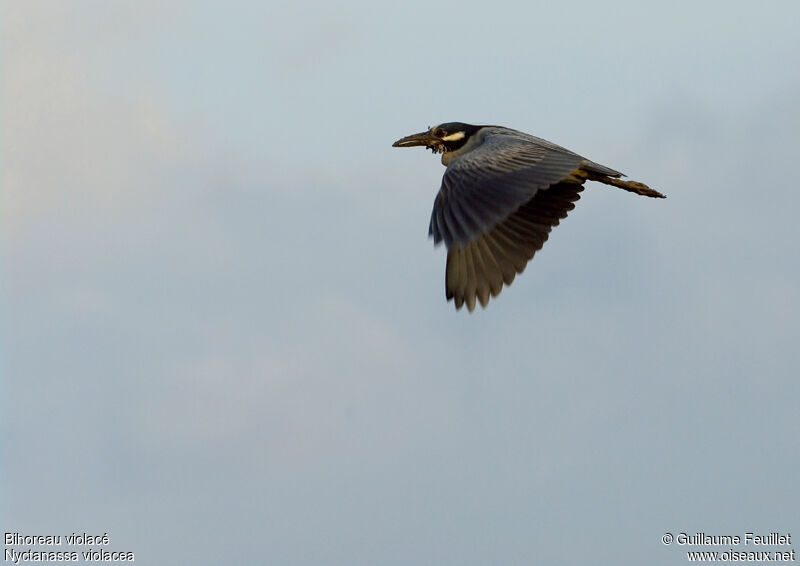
454	137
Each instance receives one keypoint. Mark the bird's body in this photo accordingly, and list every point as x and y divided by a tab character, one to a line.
502	193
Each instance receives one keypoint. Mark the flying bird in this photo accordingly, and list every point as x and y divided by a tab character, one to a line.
502	193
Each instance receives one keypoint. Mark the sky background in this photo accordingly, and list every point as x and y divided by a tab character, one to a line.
224	331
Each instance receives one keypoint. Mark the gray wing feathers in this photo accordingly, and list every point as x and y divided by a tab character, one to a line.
477	271
483	186
498	202
593	167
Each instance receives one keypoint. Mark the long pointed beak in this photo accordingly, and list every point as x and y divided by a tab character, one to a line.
422	138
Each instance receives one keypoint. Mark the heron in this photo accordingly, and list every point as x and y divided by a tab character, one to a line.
502	193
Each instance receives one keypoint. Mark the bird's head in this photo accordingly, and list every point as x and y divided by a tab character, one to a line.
443	138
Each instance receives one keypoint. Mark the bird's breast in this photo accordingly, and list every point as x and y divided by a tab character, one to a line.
448	156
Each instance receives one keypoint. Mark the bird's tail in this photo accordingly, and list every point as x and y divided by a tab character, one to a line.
632	186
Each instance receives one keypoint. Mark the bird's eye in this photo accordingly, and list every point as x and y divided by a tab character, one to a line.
439	133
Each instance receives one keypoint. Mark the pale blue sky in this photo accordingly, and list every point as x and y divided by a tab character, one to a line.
225	337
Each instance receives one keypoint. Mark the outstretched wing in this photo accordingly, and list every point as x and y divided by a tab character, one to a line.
479	268
489	182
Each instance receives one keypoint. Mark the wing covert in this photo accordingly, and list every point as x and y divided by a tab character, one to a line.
484	185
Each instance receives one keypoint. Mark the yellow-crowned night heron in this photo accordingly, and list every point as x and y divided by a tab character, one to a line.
502	193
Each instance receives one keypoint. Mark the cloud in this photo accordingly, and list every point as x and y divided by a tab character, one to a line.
223	319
